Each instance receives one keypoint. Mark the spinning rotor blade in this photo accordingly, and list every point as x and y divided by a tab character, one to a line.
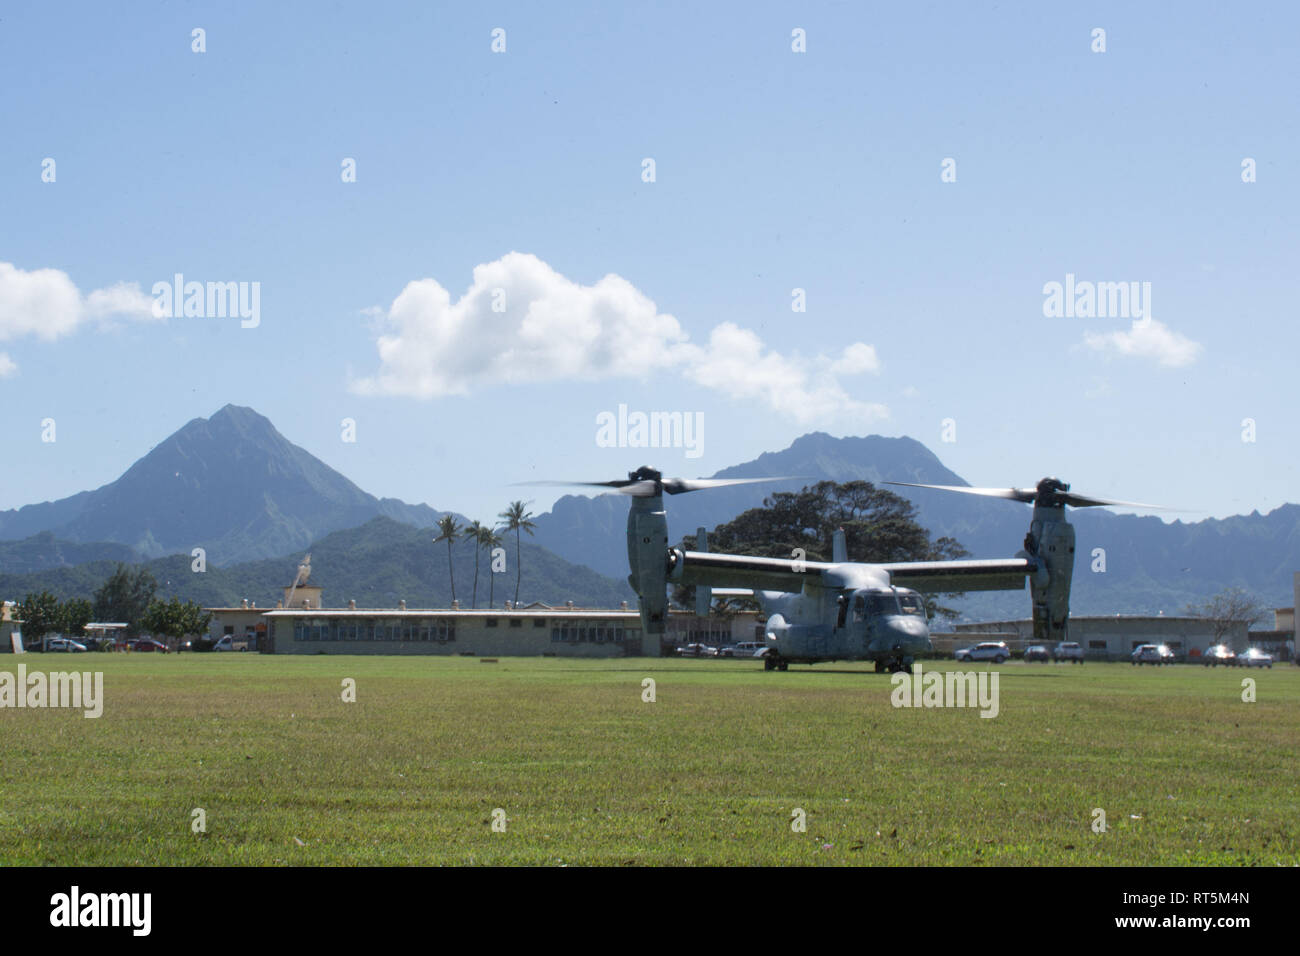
647	487
1026	495
642	488
1087	501
1055	492
679	486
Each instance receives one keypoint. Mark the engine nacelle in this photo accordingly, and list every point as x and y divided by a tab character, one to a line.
1051	542
647	557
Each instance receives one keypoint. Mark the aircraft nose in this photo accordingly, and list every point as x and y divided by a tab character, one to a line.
909	632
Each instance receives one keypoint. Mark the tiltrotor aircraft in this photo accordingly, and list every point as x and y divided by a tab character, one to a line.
841	609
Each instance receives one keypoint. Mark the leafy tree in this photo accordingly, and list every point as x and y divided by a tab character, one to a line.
880	527
39	614
174	618
1228	609
74	615
474	534
516	518
449	531
125	596
489	538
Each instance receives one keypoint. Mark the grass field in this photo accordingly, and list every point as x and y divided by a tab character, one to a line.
286	772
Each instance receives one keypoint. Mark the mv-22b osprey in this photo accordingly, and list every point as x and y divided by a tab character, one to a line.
841	609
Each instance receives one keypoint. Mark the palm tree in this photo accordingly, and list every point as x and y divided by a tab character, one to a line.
474	533
516	518
489	539
449	531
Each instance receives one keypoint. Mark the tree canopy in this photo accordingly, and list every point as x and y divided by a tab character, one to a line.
174	618
125	596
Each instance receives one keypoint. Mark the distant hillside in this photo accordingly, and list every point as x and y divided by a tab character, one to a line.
377	565
42	551
1151	566
230	484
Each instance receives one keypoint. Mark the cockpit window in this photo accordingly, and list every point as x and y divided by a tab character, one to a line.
912	604
881	604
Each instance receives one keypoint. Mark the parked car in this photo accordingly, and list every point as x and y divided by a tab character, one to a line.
1037	652
743	649
1219	654
149	645
227	643
64	645
1147	654
1069	651
995	651
1167	654
686	650
1256	658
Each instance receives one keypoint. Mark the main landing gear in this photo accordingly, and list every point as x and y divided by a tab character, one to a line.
894	665
775	664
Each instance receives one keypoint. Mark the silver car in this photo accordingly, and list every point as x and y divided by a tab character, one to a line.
64	645
1255	658
1148	654
995	651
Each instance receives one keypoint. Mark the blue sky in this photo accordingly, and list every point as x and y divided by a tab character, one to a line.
774	170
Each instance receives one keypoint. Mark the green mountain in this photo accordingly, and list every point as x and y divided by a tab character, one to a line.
377	564
230	484
43	550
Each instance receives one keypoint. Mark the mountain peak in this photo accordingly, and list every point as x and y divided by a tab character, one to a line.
230	484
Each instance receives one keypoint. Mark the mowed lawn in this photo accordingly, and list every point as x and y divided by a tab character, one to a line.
587	772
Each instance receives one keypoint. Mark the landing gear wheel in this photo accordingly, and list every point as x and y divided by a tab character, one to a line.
783	666
880	667
769	664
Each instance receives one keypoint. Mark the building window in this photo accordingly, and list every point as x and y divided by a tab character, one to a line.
489	622
1096	645
539	622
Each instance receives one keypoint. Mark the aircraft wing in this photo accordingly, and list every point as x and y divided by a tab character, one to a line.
999	574
709	569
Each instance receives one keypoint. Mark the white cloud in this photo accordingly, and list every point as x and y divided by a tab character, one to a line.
43	303
7	365
522	322
47	304
1147	339
122	298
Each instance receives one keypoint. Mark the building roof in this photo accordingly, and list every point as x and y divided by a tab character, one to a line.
434	612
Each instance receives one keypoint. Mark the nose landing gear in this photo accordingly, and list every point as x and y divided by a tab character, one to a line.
894	664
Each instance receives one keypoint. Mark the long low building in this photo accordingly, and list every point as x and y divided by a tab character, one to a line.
571	632
535	630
